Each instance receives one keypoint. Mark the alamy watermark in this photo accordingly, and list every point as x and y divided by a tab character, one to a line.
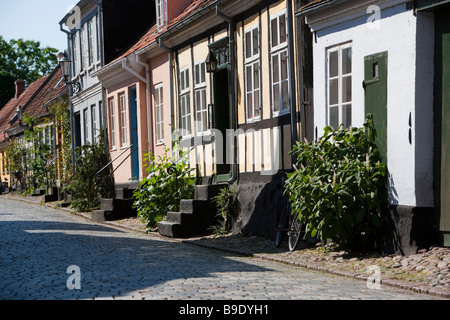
74	281
374	20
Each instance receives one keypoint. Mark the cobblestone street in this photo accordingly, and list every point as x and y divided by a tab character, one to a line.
39	244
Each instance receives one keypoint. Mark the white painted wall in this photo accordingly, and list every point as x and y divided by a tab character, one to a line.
397	35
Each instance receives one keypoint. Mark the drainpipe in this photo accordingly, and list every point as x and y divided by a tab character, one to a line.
69	46
233	85
147	82
171	85
293	96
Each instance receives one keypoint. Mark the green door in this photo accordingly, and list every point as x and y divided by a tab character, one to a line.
375	86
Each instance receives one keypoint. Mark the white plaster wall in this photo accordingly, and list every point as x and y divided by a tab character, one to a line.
397	35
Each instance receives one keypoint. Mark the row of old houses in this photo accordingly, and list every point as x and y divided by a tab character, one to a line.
240	82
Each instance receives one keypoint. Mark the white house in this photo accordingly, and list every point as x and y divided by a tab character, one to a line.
84	28
377	57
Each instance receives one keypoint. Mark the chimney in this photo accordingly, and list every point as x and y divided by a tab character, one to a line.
20	88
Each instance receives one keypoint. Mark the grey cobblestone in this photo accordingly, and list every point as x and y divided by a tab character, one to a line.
39	243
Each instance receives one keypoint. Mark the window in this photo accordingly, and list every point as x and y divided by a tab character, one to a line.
91	31
280	64
201	109
252	74
82	48
112	114
75	53
86	125
123	120
339	86
161	13
159	108
185	103
94	122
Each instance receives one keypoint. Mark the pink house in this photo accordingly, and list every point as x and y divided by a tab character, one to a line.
137	100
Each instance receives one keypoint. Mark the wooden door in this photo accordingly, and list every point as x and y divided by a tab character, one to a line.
375	85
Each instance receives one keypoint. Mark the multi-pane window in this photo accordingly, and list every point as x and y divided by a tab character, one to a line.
91	33
123	120
112	115
339	85
161	13
82	48
185	103
280	64
201	109
252	74
86	125
94	122
75	53
159	108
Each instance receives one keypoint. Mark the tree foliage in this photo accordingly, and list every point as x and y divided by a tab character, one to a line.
23	59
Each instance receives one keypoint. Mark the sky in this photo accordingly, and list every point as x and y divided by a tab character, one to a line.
35	20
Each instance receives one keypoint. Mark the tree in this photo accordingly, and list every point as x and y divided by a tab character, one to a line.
23	59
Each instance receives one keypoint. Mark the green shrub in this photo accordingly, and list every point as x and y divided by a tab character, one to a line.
87	187
168	182
339	186
227	206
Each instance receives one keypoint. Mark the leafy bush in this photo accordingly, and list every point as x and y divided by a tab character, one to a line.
87	187
227	205
168	182
339	186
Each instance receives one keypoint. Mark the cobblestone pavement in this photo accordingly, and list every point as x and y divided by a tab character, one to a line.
40	246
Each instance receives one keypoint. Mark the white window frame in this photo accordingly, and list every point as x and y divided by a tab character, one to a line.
340	104
112	117
252	61
185	103
280	51
200	104
159	113
82	46
161	13
75	57
90	36
86	125
94	122
123	120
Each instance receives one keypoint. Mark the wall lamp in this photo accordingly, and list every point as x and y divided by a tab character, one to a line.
65	64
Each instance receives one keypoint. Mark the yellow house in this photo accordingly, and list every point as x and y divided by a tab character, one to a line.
235	100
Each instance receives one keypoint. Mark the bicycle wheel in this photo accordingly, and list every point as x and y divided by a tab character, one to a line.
282	226
294	232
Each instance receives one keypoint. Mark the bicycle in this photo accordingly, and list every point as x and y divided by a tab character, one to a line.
289	224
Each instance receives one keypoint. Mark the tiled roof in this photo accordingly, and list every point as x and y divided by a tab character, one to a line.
53	88
33	100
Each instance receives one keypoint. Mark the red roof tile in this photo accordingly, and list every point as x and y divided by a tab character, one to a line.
33	100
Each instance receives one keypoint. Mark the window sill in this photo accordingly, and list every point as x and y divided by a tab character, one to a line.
253	120
281	113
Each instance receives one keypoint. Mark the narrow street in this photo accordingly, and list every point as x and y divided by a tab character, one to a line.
47	254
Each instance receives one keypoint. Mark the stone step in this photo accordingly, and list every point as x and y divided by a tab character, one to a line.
192	205
183	218
207	192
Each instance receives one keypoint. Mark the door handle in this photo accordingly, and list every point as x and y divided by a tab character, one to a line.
369	82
